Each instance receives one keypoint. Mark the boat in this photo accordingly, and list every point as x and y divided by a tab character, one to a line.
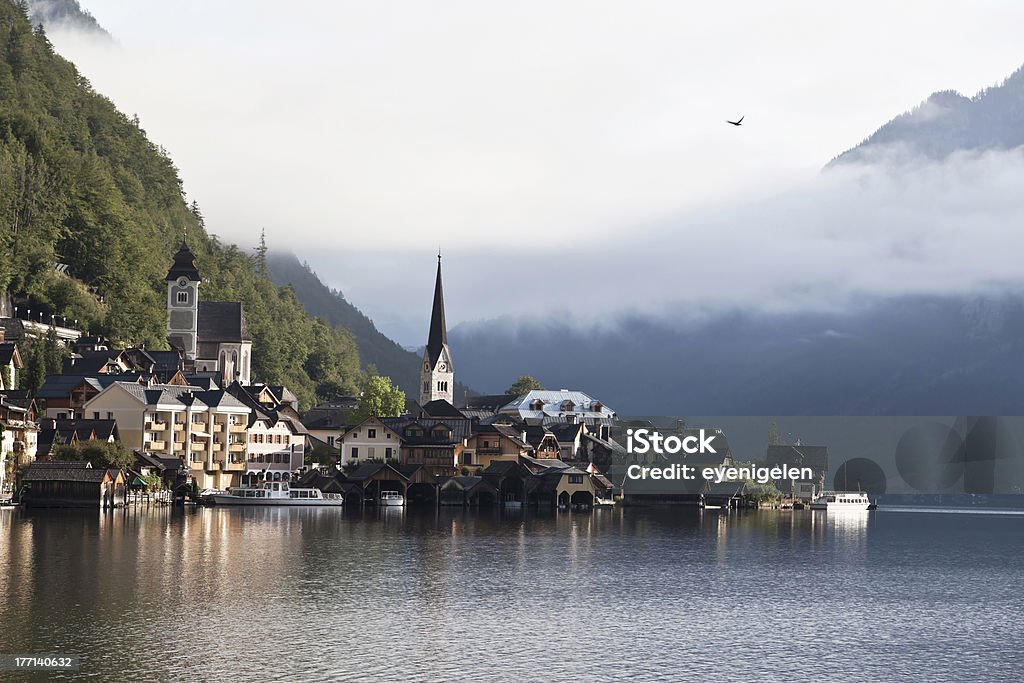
275	493
841	500
604	503
391	498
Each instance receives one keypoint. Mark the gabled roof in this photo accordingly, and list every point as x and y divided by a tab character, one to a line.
441	408
87	474
222	321
545	403
369	469
8	353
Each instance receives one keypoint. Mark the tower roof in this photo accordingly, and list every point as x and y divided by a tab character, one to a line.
438	338
184	265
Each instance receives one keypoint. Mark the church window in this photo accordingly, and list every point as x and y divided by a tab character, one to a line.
182	297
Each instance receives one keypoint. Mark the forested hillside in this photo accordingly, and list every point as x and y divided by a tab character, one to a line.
949	122
63	14
374	348
82	185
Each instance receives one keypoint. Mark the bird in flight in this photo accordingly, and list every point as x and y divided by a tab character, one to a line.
736	123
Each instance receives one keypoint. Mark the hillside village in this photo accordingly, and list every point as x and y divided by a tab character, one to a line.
195	418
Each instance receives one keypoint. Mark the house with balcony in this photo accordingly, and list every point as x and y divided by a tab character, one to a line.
276	436
494	442
18	436
203	428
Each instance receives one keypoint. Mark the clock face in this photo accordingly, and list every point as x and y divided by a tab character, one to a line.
442	366
426	365
182	281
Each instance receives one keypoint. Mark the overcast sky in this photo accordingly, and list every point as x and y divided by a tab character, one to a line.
524	137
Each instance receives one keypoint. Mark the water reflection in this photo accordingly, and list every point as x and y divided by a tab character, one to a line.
293	594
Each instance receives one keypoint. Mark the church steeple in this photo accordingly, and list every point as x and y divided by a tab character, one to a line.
438	377
438	338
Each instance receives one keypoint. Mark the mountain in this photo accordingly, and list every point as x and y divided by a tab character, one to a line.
948	122
956	354
92	211
903	356
64	14
323	302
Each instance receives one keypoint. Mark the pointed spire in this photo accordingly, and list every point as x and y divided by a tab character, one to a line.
438	338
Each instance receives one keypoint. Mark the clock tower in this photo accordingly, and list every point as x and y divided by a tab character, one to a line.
437	377
183	302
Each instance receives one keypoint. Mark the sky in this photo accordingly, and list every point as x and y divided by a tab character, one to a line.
564	156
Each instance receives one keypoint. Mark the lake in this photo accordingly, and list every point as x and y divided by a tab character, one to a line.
621	594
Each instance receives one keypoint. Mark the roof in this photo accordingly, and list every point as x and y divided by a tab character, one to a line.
369	469
86	474
164	394
557	403
461	428
222	321
184	265
441	408
491	403
9	352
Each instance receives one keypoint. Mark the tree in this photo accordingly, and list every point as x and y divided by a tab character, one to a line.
524	385
112	454
380	398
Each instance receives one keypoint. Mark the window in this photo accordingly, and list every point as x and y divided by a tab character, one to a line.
330	441
96	415
371	433
182	297
355	452
371	452
388	453
575	478
110	415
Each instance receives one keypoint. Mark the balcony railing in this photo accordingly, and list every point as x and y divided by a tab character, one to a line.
237	428
155	426
218	427
156	445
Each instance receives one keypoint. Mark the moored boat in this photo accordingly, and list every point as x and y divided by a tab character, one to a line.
276	493
841	500
391	498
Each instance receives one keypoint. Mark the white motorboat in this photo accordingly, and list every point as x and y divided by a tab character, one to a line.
841	501
604	503
391	499
276	493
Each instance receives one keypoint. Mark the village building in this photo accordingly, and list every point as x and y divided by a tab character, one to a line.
369	441
275	435
206	429
326	423
541	406
435	444
18	435
56	433
71	484
494	442
212	335
10	364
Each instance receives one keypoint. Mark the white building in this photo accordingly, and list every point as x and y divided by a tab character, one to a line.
206	429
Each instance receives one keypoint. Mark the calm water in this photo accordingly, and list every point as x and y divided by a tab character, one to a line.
642	594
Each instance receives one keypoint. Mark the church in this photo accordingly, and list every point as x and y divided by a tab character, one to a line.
437	378
211	335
